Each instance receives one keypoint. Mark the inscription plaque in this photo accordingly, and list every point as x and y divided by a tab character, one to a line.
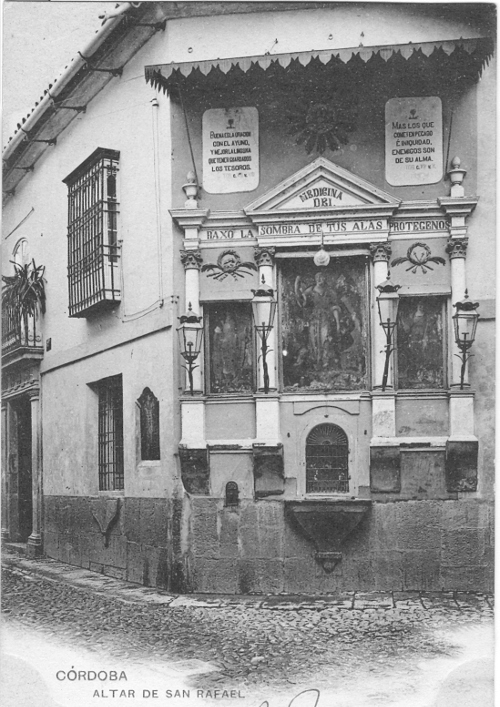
413	141
230	150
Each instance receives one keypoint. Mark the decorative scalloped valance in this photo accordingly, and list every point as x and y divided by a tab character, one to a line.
462	58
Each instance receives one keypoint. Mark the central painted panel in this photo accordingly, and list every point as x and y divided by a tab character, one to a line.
324	325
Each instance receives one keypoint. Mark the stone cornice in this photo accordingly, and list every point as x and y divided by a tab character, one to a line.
418	208
28	387
189	218
314	240
227	219
448	213
428	209
307	215
461	206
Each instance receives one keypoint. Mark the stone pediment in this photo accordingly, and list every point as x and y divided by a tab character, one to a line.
324	186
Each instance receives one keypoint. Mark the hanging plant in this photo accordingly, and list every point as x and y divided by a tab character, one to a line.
24	292
323	125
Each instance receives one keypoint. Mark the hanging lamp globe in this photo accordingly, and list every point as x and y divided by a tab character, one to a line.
263	308
465	322
190	333
388	302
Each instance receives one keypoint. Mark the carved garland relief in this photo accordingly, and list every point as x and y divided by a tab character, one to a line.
419	256
229	264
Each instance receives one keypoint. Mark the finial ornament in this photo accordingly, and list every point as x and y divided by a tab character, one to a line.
456	176
190	189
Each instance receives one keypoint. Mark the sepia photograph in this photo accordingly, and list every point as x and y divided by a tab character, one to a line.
248	353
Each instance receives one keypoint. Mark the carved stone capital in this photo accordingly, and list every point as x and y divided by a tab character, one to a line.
457	247
264	256
191	259
34	394
380	252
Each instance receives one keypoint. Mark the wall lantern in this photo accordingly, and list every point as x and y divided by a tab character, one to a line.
464	324
263	310
387	302
190	333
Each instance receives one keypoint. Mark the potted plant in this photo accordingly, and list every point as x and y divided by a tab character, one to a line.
22	296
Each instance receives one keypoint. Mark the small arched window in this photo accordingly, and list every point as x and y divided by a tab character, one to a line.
150	425
232	494
327	460
21	252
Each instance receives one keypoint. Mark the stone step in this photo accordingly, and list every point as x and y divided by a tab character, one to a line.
17	548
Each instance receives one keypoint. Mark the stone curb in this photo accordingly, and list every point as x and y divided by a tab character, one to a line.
128	592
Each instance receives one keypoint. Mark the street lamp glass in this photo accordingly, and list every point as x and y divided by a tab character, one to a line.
190	333
465	324
263	309
190	337
263	312
388	303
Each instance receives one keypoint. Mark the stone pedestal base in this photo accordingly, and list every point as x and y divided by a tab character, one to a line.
34	546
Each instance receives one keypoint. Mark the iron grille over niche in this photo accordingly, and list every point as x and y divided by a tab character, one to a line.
111	476
93	251
327	455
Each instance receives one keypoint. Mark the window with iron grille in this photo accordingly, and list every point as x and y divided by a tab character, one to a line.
93	251
232	494
149	406
110	443
327	460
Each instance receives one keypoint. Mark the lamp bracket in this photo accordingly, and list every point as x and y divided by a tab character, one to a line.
464	354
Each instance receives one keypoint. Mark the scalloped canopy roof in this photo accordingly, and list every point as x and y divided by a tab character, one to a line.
453	60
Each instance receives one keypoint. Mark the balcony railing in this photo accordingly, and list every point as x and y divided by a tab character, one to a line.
20	332
94	280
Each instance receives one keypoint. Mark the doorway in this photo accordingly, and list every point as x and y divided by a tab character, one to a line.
21	471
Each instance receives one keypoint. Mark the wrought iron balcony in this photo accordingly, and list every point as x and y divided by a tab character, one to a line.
93	246
21	337
94	280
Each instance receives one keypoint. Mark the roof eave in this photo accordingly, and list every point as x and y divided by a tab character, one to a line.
166	76
43	122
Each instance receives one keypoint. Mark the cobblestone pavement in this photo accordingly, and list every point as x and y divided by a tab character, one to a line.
261	645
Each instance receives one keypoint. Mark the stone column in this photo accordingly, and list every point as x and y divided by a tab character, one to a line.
5	473
267	409
383	403
380	253
264	257
192	259
461	401
34	545
457	251
193	408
